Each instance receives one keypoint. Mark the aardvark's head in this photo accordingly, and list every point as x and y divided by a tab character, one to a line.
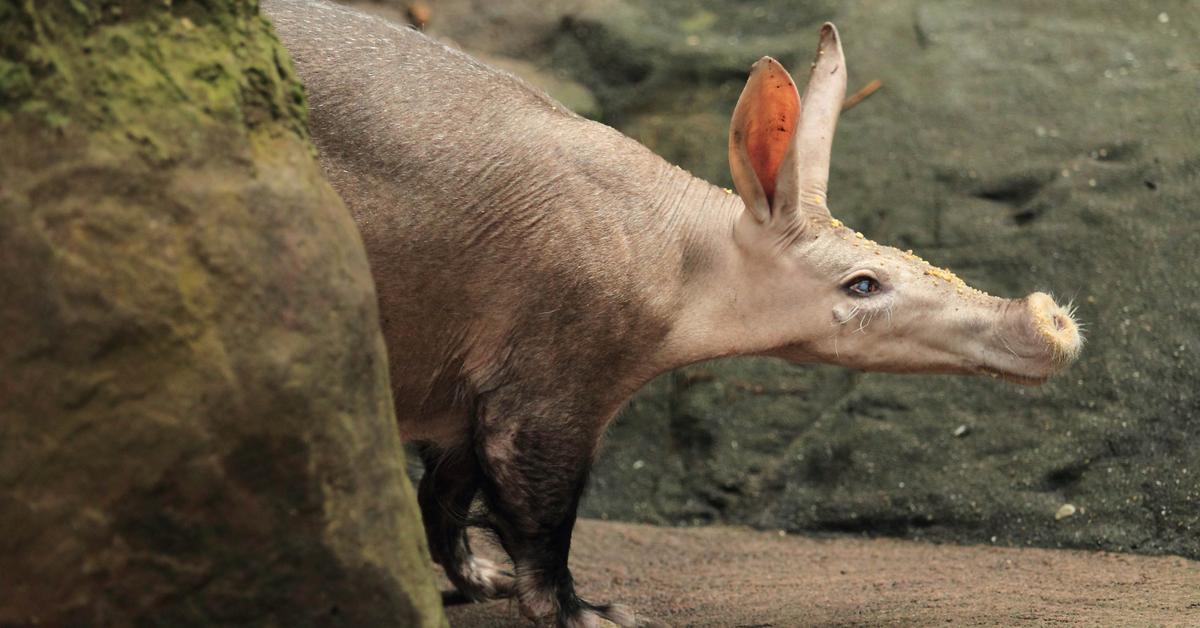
830	294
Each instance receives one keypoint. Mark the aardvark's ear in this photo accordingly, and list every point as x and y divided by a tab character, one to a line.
823	97
762	147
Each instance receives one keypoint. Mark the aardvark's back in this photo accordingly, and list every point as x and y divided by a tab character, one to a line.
486	208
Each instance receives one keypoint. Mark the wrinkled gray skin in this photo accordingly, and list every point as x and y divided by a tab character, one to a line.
535	269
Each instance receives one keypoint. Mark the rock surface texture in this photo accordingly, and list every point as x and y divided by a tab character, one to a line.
1026	145
195	421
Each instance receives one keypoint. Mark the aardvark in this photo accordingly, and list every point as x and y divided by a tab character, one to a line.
534	269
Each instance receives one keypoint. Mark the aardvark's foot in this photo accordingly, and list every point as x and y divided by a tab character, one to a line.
478	579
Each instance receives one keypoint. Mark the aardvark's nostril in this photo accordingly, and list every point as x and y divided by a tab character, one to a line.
1055	325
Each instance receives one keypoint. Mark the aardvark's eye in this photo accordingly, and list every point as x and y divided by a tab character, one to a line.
862	286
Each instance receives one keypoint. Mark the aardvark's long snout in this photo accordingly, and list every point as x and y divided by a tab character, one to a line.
1042	337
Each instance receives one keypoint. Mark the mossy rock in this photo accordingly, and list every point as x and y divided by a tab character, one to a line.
197	424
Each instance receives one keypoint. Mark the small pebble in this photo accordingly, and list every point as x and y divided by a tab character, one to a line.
961	430
1064	511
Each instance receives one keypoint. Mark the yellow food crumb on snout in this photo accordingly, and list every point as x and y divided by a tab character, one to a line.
942	273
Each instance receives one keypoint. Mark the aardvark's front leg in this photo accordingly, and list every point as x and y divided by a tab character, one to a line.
535	469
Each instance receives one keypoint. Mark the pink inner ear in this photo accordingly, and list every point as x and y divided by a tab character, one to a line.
770	125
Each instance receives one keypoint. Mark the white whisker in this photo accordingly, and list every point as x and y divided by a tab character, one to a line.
851	315
866	320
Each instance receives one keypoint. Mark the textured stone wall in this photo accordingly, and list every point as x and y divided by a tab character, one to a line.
1028	146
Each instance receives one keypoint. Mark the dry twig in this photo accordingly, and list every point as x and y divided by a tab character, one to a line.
861	95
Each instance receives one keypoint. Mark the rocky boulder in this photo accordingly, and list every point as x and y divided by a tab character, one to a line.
195	420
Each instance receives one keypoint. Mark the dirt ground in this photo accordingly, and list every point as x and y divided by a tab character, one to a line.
720	576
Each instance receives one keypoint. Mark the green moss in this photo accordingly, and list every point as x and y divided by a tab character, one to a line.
15	82
128	66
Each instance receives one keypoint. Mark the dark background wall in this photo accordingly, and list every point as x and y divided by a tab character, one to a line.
1027	145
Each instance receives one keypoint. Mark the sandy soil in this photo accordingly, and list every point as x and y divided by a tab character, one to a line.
721	576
